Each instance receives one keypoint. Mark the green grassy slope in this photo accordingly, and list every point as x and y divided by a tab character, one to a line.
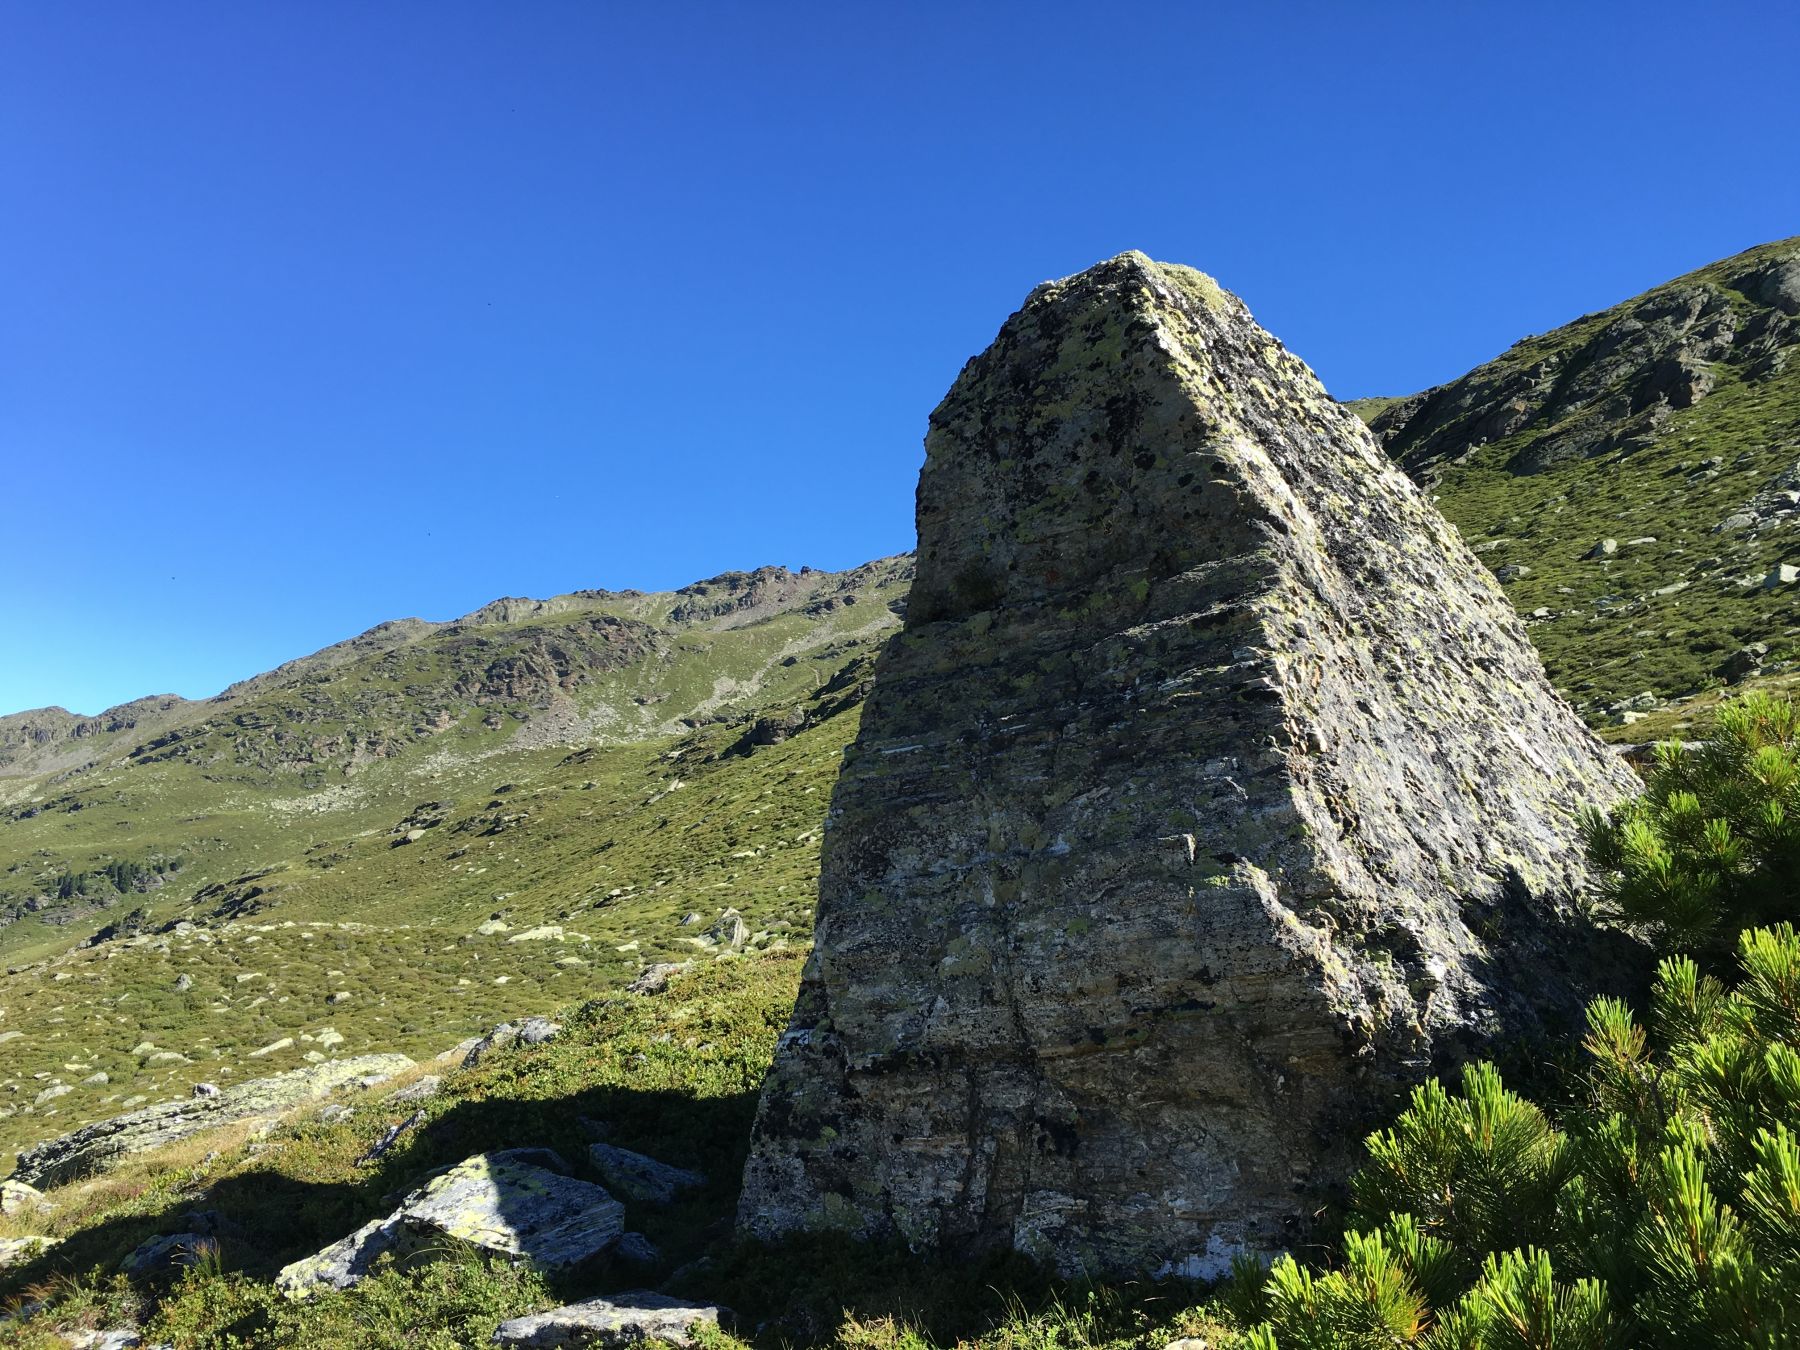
1669	424
610	807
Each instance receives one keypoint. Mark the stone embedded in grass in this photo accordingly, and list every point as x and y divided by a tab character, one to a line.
13	1251
638	1177
505	1207
18	1198
163	1255
389	1138
618	1320
420	1089
95	1147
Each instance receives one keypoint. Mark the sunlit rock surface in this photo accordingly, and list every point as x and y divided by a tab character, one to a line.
1211	793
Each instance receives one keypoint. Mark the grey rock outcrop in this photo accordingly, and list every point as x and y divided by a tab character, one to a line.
95	1147
1211	794
632	1318
530	1031
506	1206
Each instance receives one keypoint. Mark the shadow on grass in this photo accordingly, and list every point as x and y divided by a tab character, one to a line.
800	1292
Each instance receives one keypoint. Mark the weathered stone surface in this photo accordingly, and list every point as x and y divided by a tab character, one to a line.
1211	794
637	1177
15	1251
655	978
18	1198
617	1320
530	1031
497	1202
94	1147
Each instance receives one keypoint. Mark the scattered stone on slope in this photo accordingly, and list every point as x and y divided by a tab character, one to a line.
93	1148
18	1198
1211	794
530	1031
654	979
391	1136
729	931
16	1251
642	1178
632	1318
421	1089
165	1254
506	1207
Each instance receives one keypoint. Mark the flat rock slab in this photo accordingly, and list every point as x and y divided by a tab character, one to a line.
638	1177
622	1319
94	1148
507	1208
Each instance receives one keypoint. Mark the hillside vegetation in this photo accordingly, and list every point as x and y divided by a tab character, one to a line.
510	841
1633	478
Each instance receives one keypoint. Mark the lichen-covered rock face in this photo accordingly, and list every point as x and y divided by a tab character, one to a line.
1211	793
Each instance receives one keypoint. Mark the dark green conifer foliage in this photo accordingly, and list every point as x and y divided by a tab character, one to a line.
1713	846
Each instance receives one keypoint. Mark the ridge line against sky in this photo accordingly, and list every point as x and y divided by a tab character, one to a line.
320	324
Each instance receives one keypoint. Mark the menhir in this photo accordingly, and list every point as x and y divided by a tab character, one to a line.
1211	794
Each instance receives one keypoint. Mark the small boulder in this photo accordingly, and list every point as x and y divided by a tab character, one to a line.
632	1318
642	1178
18	1198
421	1089
1605	548
506	1207
160	1255
1744	663
1782	574
1512	572
654	979
730	930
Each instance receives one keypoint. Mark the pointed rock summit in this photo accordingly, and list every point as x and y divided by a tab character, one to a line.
1211	794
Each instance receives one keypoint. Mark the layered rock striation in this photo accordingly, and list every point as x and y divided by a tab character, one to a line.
1211	793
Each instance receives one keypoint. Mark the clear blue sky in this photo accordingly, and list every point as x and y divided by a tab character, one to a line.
318	315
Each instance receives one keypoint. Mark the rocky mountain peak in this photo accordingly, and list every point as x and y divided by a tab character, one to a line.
1210	794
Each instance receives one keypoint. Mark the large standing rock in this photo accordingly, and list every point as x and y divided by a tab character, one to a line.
1211	793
